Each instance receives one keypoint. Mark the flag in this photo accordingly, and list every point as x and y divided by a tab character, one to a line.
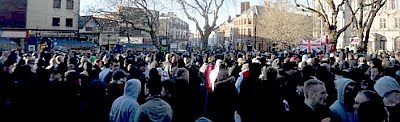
311	46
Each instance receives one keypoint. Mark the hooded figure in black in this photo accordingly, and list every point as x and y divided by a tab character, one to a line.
183	94
223	101
248	94
198	96
272	107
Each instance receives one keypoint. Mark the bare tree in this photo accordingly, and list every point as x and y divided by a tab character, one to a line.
329	15
140	15
208	10
282	26
364	12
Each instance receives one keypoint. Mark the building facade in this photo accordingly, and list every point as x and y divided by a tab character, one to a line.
229	34
174	28
385	30
240	33
101	31
39	18
141	19
53	14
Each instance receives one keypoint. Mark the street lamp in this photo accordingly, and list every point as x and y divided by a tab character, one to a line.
108	42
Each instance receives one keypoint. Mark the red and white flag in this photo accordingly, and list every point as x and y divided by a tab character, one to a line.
311	46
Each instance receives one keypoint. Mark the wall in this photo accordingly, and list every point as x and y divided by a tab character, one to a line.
40	15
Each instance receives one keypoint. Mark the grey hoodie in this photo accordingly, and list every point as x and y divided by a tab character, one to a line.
125	107
338	108
154	110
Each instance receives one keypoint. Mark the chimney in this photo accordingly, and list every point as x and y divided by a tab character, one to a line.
244	6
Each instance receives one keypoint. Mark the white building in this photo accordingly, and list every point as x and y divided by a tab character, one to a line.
47	18
39	18
53	14
385	30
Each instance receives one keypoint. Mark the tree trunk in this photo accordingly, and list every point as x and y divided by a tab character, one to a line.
127	33
333	38
155	41
366	40
204	42
361	37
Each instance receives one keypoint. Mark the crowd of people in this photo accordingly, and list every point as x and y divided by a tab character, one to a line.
343	86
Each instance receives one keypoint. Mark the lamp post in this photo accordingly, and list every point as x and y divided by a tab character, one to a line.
108	42
255	35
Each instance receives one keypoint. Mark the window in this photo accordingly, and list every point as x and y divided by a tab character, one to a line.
70	4
393	3
249	21
68	22
249	32
56	3
397	22
56	21
382	23
89	28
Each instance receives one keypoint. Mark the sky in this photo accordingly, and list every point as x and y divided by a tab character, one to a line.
231	8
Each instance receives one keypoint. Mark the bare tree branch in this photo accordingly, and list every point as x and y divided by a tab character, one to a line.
208	12
324	12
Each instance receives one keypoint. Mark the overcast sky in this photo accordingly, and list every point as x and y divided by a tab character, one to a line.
231	8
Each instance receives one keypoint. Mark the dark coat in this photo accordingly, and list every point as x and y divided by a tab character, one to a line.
182	108
307	114
223	101
247	96
270	98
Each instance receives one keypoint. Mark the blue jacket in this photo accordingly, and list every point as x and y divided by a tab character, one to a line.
125	107
338	108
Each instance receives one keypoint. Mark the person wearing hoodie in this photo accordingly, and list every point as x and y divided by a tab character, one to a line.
154	109
389	89
271	108
342	109
115	88
223	100
248	94
207	73
182	110
303	62
124	108
214	73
